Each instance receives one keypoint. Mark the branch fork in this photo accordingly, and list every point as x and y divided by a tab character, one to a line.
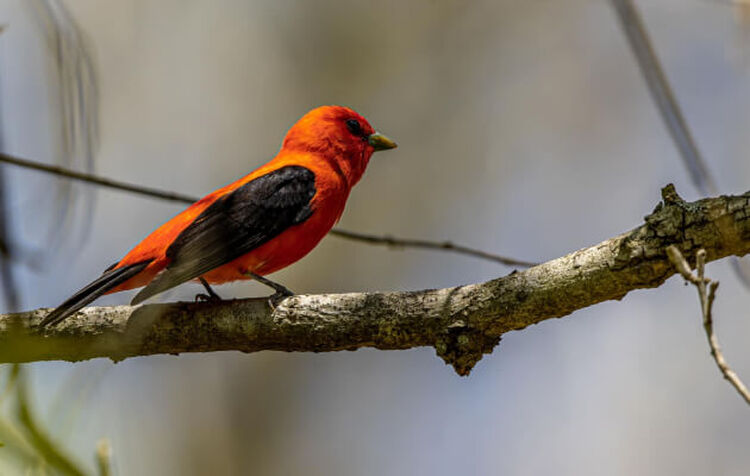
707	294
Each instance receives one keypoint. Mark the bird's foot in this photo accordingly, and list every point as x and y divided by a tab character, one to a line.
203	297
282	292
276	298
209	296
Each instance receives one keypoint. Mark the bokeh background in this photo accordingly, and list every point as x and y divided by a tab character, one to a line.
524	128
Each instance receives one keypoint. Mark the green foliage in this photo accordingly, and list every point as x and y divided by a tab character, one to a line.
26	444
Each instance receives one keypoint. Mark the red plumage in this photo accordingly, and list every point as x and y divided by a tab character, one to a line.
260	223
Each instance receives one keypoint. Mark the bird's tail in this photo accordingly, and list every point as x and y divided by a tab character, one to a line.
107	281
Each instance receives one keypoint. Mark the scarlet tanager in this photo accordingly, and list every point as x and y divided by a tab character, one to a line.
259	224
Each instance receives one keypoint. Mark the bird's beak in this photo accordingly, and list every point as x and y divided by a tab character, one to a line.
380	142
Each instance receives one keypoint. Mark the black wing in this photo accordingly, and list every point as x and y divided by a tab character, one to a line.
235	225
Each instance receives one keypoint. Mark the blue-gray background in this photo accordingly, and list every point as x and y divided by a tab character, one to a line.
524	128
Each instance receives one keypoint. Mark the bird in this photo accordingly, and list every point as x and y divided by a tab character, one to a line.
259	224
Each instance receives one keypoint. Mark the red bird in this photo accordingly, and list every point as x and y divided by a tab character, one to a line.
259	224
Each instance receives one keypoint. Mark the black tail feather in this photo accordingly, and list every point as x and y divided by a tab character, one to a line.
158	285
104	283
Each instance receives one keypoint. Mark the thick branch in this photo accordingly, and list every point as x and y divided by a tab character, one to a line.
461	323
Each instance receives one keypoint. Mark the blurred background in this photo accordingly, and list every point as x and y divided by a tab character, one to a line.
524	128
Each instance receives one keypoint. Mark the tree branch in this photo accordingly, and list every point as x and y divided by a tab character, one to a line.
669	108
707	293
462	323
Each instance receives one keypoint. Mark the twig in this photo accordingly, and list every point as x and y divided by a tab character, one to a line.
74	82
104	457
7	274
38	437
93	179
666	102
707	294
661	92
462	323
433	245
346	234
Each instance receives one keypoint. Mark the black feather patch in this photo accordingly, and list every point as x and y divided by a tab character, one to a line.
236	224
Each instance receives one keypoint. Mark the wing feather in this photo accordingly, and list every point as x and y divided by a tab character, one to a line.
236	224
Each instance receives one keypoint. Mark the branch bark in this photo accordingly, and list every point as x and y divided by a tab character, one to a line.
462	323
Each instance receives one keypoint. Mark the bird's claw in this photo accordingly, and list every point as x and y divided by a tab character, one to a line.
209	296
276	298
202	297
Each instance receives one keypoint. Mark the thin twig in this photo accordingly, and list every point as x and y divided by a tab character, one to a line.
104	457
346	234
666	102
93	179
661	92
50	451
433	245
681	264
707	293
74	82
7	274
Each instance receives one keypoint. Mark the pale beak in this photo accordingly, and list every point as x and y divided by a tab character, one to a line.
380	142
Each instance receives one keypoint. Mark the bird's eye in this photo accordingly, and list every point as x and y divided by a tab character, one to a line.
354	127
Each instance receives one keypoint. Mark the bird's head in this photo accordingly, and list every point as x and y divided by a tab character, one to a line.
339	135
